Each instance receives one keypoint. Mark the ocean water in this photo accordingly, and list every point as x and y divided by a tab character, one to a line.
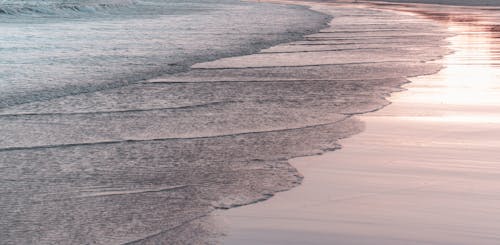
121	122
55	48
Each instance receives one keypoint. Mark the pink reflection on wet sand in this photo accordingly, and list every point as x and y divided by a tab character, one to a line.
468	88
425	170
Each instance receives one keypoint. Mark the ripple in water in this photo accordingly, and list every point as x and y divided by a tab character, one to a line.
102	160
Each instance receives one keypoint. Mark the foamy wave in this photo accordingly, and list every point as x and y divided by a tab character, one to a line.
15	7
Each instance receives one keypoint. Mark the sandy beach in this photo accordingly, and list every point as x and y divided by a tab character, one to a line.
171	122
424	171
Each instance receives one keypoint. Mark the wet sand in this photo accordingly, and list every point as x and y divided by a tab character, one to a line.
148	162
424	171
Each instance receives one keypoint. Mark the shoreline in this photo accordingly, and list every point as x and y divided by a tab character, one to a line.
93	151
236	63
158	157
307	213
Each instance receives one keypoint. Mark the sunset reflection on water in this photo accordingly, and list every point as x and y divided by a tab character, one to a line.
467	89
471	75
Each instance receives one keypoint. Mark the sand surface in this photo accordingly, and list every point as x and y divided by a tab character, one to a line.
148	162
425	170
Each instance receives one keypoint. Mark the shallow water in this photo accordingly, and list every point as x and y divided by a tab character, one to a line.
425	169
91	156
